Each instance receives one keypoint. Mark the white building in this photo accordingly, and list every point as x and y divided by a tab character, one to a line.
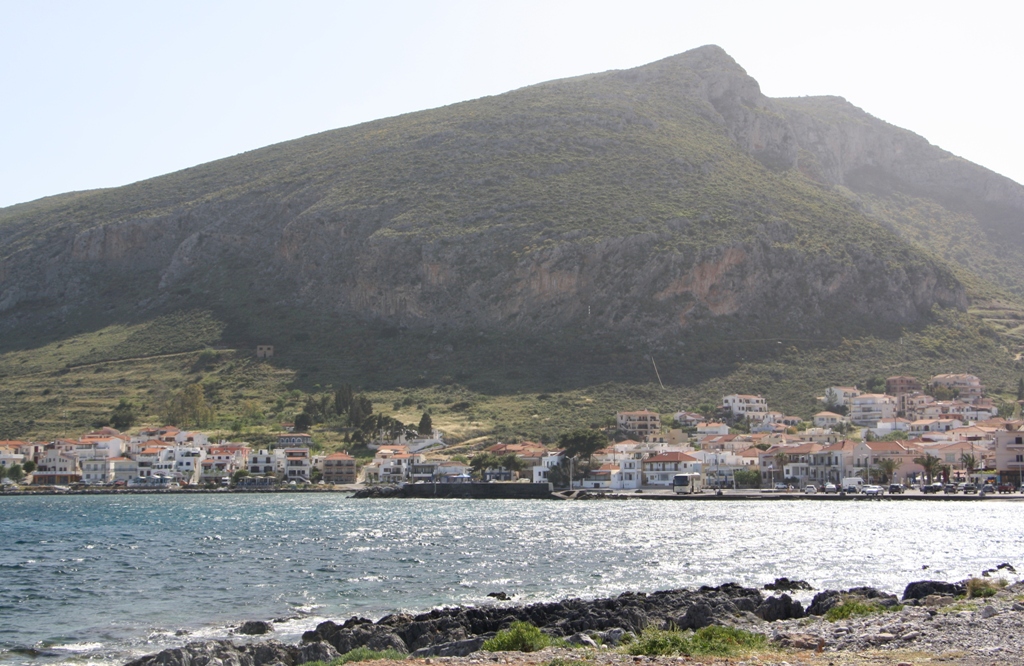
839	396
97	471
660	469
751	407
642	423
294	463
869	408
262	463
550	460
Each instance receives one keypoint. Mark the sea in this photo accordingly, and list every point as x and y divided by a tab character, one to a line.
104	579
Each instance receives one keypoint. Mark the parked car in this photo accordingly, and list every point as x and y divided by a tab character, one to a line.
988	489
932	488
810	490
1006	488
950	489
969	488
873	490
779	486
895	489
831	488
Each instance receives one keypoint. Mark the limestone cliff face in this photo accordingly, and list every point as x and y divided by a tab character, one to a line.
648	201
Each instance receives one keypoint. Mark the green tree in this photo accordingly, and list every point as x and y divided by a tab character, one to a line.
188	407
831	399
932	465
303	422
123	416
513	463
1020	388
426	426
238	476
887	468
482	462
582	443
29	466
15	473
747	478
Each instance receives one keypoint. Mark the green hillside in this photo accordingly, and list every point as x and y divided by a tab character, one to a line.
523	257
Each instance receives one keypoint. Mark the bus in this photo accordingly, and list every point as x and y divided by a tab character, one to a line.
687	484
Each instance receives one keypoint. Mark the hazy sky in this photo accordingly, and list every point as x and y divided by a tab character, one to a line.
99	94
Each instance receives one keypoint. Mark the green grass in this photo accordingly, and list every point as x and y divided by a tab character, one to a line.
980	588
520	637
500	388
712	640
853	608
959	606
362	654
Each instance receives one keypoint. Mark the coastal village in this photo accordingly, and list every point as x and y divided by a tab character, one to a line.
944	429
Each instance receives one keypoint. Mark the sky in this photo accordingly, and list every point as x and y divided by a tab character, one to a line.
105	93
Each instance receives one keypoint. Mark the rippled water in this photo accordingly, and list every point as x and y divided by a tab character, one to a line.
106	578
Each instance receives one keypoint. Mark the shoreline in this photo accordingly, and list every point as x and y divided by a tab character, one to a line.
929	621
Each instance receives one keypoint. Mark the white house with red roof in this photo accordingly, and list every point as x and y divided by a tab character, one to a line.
659	470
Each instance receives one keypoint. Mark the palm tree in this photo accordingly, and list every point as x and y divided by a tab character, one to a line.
931	465
887	467
970	463
780	463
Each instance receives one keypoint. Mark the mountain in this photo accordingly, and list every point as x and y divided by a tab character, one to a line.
561	234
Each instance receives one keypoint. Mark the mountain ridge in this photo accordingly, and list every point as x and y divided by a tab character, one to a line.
658	210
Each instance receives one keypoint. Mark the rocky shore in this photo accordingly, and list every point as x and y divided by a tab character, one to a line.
931	621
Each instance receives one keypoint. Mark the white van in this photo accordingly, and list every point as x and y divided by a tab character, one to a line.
852	484
687	484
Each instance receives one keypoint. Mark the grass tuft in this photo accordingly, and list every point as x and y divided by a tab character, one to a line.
366	654
713	640
520	637
981	588
849	609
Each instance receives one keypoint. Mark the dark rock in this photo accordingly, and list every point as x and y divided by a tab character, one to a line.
273	652
255	628
787	585
779	608
923	588
824	601
223	653
455	649
868	593
697	616
500	596
319	651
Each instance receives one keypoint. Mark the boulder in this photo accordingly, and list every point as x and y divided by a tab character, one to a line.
612	636
454	649
223	653
697	616
923	588
319	651
824	601
779	608
582	640
787	585
255	628
937	601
